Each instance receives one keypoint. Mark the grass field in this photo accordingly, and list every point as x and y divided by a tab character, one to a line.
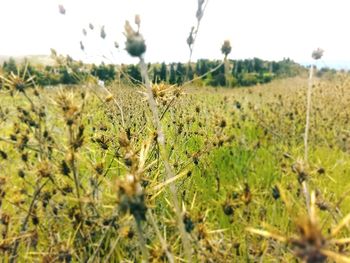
82	178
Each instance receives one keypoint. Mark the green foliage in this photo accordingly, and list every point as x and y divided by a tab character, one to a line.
172	77
67	189
246	72
9	66
134	73
104	72
163	72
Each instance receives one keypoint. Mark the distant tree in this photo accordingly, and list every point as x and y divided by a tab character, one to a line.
204	66
218	80
163	72
197	70
66	77
180	73
104	72
135	74
172	77
190	73
258	65
10	66
156	74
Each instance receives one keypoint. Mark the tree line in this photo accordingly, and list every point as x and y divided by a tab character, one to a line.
204	72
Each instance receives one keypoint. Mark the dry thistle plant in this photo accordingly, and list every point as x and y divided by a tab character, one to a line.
226	49
135	45
316	54
202	4
309	243
18	82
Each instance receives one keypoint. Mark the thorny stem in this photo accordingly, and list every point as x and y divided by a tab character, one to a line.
164	156
144	250
196	33
75	171
306	136
227	68
161	239
308	109
102	239
26	219
307	197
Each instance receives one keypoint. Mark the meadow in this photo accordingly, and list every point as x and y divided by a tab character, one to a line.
84	180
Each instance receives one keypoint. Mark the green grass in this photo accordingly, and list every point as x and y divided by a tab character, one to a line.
232	146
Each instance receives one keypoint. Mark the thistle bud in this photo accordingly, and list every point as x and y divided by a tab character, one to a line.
82	46
135	43
226	47
103	32
317	54
190	39
61	9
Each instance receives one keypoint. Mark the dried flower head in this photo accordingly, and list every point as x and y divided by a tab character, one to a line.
190	39
317	54
226	48
18	82
164	93
309	243
135	43
103	32
82	46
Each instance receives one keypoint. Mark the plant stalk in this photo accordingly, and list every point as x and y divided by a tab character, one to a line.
164	156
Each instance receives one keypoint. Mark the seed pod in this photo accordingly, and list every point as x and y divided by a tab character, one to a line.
103	32
226	47
3	154
189	225
190	39
317	54
228	208
82	46
275	193
135	43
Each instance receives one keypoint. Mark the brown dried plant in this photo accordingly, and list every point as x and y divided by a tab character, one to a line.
309	243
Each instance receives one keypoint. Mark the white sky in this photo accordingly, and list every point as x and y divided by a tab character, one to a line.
268	29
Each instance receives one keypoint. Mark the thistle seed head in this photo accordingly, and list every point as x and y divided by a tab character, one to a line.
226	47
135	43
317	54
82	46
103	32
